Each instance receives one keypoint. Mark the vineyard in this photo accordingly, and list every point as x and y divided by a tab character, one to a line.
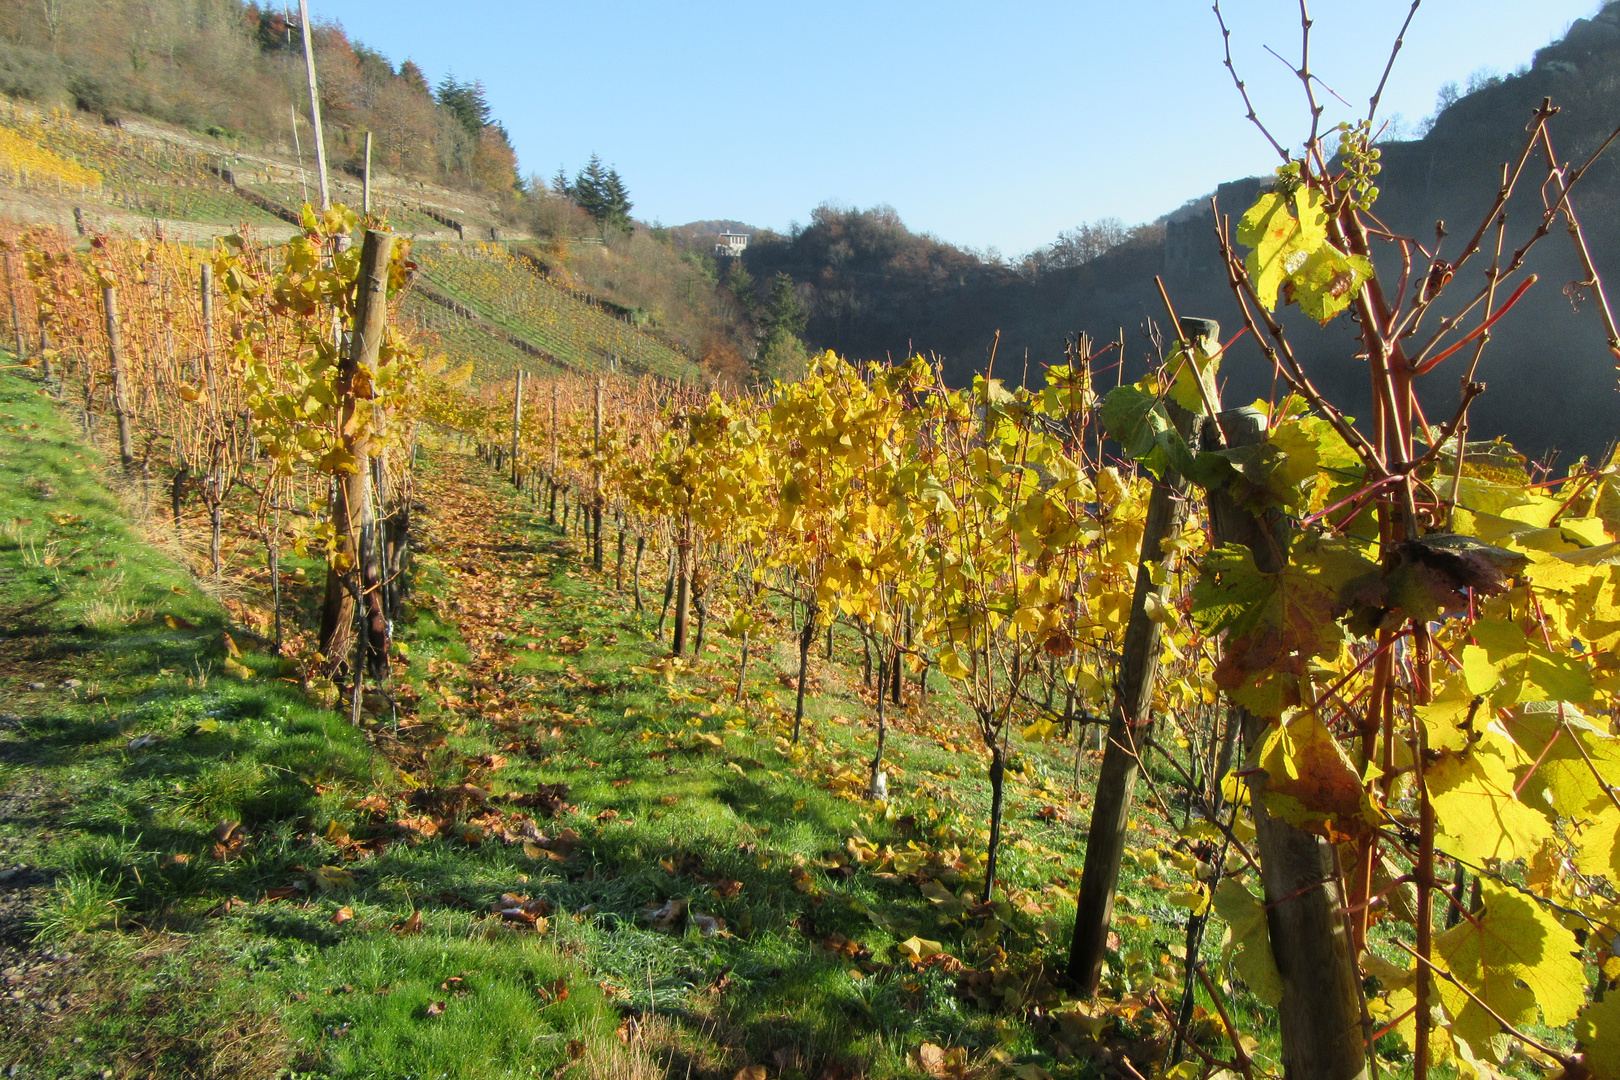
492	354
142	172
584	722
503	289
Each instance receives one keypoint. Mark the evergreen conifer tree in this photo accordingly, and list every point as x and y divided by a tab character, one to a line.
601	193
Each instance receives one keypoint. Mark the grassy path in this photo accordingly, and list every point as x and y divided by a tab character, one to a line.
572	856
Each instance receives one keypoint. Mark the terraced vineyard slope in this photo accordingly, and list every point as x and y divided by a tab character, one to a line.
489	281
98	177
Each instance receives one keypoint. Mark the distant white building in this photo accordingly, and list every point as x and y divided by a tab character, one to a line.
731	244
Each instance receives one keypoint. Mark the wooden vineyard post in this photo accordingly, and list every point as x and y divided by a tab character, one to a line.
635	572
365	196
517	426
206	286
1320	1012
1133	702
618	566
596	481
352	512
45	371
11	294
115	357
551	511
683	585
807	638
314	103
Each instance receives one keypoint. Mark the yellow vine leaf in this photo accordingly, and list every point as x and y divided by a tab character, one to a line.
1509	667
1598	1030
1040	730
1600	846
1564	783
1282	230
1310	781
1443	718
1513	941
1441	1047
1247	933
1479	815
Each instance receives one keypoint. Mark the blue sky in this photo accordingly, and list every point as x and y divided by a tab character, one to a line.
985	124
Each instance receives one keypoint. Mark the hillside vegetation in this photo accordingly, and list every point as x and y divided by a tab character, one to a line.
91	177
511	293
236	70
874	289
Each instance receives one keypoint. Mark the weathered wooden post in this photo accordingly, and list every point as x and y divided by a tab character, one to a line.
352	511
1132	709
551	511
115	356
11	294
596	481
1320	1011
517	425
44	352
207	288
314	103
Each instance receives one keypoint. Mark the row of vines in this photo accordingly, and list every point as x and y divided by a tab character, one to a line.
262	384
1380	670
1379	664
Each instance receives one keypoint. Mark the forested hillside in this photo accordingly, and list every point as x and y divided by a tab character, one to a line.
873	289
236	70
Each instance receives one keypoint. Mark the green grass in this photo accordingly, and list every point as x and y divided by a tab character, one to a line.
181	963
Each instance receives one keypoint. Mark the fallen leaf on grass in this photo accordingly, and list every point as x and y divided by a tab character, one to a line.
549	799
524	911
342	915
667	917
377	804
228	840
709	925
553	993
412	925
751	1072
942	1064
330	878
435	1008
419	828
238	670
917	949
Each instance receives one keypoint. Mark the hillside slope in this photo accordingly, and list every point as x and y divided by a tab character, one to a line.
85	178
1552	382
67	169
502	293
